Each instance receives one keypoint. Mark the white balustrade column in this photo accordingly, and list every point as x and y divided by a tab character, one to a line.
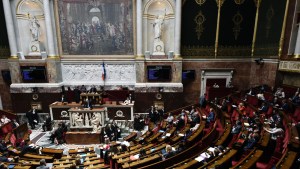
297	47
49	31
139	35
10	29
177	28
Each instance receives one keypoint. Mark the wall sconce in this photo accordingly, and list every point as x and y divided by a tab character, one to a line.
160	89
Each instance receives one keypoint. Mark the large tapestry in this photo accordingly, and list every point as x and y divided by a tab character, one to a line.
96	27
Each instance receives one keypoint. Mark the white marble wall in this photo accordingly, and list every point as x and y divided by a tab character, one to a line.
91	73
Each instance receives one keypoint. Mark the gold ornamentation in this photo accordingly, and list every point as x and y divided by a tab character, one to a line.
197	51
239	2
237	20
200	2
257	4
199	19
283	29
269	17
220	2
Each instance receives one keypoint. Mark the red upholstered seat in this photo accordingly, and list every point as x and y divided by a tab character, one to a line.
296	115
269	112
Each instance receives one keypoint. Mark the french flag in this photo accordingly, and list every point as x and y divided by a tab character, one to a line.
103	72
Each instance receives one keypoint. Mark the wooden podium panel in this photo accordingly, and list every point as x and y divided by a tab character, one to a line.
82	138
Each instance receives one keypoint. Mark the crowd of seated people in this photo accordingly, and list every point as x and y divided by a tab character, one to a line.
246	128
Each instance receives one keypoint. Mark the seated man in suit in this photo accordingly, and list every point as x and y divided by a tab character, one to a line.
29	147
264	108
63	98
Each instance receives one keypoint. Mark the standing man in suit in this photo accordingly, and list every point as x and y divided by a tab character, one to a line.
32	118
42	164
202	101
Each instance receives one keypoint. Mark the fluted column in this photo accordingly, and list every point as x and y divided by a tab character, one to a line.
139	27
10	29
49	31
177	28
297	47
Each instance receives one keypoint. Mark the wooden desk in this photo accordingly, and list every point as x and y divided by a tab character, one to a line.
197	132
144	161
287	160
223	158
126	154
60	111
176	138
36	156
51	151
95	162
82	150
130	137
241	161
225	135
251	161
154	137
83	138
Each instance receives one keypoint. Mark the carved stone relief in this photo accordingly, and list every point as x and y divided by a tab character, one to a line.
93	72
289	66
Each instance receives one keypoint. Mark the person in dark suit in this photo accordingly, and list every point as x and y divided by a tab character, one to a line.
42	164
117	130
47	124
28	148
77	95
202	101
264	108
58	134
109	131
32	118
63	98
93	89
161	114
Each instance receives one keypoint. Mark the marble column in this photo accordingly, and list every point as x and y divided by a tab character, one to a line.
49	31
139	25
10	29
297	47
177	28
15	72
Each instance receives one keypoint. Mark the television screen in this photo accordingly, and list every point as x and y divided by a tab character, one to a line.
159	73
188	74
34	74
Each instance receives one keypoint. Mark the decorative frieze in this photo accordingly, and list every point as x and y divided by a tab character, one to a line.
115	73
289	66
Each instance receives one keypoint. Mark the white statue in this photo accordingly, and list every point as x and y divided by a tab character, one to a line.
95	119
157	26
34	29
78	120
97	128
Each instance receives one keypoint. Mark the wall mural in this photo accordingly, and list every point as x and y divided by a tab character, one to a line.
96	27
